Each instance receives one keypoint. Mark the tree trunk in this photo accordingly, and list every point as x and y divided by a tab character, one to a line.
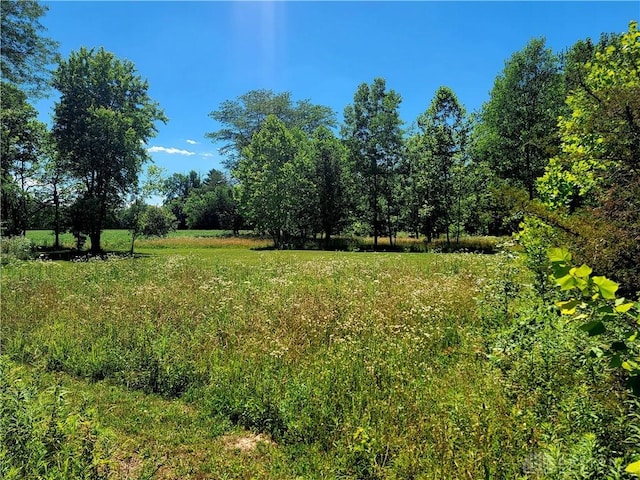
95	242
56	221
133	241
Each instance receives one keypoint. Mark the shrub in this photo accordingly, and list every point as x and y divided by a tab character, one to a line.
40	435
19	248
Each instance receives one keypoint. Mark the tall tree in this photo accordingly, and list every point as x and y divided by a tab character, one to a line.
445	133
598	169
373	134
519	122
242	118
331	180
275	190
25	53
21	142
101	123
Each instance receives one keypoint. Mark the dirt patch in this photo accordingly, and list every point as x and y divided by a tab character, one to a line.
245	443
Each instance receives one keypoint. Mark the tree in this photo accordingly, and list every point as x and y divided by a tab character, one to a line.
331	180
596	176
445	133
25	53
101	123
21	142
177	189
275	191
519	122
243	117
136	217
212	205
415	187
57	190
157	221
372	132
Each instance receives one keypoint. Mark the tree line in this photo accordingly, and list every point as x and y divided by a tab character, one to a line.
558	141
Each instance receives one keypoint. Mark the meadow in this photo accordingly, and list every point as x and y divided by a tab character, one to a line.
204	358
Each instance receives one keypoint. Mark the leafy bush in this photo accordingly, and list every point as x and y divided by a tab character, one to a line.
536	237
157	221
20	248
42	437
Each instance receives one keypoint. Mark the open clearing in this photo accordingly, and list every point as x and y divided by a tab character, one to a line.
235	363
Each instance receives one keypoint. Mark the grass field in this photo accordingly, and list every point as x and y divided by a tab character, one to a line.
120	241
194	362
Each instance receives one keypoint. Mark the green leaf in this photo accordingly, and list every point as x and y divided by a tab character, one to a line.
624	307
597	352
567	282
559	255
582	271
560	270
616	361
633	468
568	307
606	287
630	365
596	327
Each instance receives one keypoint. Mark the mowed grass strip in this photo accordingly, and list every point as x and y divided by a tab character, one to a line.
363	365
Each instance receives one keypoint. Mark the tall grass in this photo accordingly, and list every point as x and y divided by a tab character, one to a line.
377	365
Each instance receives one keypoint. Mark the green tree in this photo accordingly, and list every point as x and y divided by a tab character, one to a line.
135	216
25	53
157	221
445	135
519	122
418	187
21	142
331	180
242	118
101	123
275	190
213	205
373	134
597	170
176	191
55	193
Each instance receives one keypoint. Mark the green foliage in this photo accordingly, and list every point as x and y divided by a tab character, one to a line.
333	183
19	248
536	237
444	136
22	140
211	206
176	190
101	122
243	117
600	135
26	54
594	180
372	131
593	301
42	437
157	221
518	127
276	193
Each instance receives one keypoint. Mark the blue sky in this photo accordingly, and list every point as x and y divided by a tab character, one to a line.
195	55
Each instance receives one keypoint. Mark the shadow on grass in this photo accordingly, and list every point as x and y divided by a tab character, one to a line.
74	255
483	245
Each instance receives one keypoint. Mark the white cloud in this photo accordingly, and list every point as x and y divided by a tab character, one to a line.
170	150
192	142
207	155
